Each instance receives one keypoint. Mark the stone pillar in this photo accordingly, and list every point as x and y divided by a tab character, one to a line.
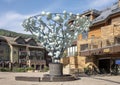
29	63
27	49
40	67
11	53
35	66
10	66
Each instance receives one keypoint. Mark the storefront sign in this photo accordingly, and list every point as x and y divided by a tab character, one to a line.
117	62
106	50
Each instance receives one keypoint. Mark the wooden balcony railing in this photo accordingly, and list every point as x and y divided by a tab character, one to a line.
22	53
36	61
39	53
104	47
32	53
36	53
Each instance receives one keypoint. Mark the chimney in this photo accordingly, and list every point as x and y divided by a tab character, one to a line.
119	3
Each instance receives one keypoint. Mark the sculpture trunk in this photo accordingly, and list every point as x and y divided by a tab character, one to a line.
56	69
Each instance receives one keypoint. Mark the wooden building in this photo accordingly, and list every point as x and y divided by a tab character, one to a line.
100	46
22	52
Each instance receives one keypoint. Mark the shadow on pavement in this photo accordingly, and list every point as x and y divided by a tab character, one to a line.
107	80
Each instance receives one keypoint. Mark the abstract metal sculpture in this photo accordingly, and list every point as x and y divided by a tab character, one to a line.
56	31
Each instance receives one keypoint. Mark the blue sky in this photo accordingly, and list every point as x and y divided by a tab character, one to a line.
13	12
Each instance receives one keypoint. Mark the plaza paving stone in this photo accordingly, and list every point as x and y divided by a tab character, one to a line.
8	78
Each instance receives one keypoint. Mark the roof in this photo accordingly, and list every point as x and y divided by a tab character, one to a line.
9	39
94	11
28	39
12	41
106	13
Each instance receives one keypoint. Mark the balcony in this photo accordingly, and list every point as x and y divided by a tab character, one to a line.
39	53
102	48
22	53
32	53
22	61
36	61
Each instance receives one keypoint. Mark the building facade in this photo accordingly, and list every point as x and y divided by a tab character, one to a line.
22	52
100	46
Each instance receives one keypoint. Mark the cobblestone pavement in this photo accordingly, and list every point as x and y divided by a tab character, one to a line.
7	78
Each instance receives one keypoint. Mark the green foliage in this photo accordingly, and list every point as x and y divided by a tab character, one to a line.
14	34
29	68
86	69
16	69
5	70
19	70
45	69
64	54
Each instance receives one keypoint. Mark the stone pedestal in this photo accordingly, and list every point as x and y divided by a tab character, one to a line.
56	69
55	75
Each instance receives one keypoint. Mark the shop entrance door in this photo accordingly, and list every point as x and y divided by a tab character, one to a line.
104	66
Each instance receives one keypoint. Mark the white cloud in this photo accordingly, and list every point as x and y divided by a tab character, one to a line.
12	21
100	3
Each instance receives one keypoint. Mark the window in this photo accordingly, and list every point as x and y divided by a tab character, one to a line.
84	35
20	40
83	47
109	22
117	40
32	42
71	50
92	36
21	49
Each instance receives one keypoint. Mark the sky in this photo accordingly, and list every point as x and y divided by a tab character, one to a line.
13	12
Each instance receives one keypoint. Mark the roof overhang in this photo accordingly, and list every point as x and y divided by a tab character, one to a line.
104	20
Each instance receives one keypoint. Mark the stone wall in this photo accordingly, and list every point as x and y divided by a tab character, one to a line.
99	36
116	20
65	61
96	32
77	62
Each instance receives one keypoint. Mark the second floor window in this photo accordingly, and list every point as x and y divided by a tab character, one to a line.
71	50
84	35
83	47
117	40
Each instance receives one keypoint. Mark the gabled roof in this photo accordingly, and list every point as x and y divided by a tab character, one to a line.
12	41
19	37
106	13
28	39
16	38
8	39
31	39
94	11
